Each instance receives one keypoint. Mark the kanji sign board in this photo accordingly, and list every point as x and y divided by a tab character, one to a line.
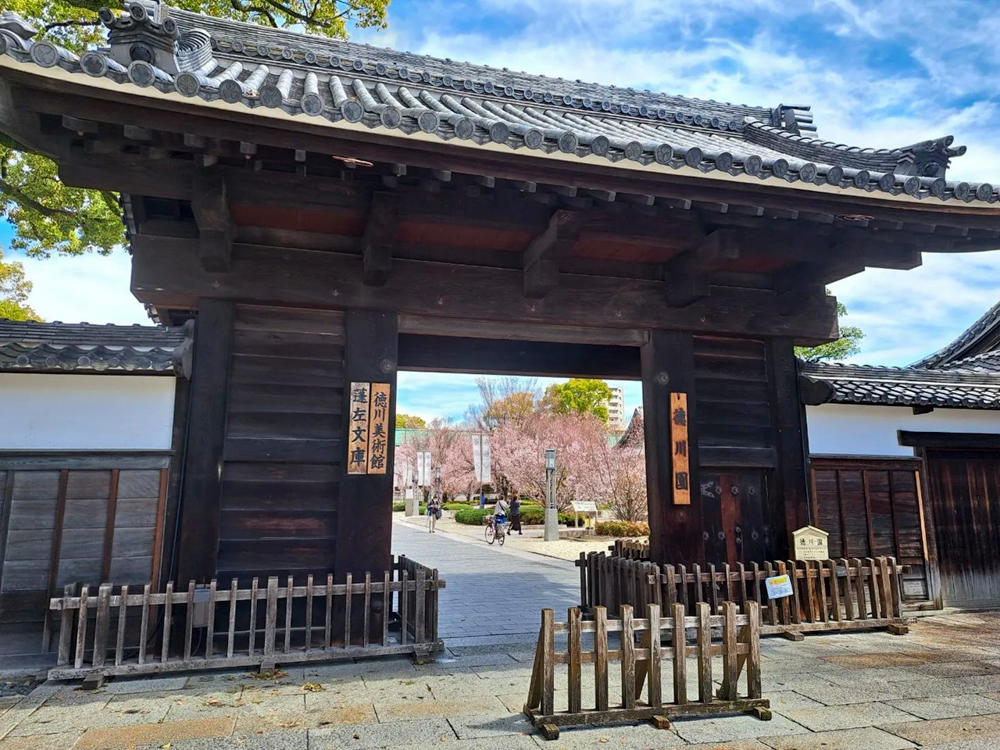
368	434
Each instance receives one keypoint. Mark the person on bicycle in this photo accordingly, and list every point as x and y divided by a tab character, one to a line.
500	515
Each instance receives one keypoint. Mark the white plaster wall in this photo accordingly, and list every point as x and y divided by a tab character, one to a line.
85	412
858	430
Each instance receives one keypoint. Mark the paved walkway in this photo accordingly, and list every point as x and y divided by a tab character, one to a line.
936	689
491	591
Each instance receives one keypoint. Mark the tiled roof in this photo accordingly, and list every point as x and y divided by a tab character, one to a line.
251	67
978	338
973	386
82	347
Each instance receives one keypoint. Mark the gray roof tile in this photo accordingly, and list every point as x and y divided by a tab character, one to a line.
82	347
250	66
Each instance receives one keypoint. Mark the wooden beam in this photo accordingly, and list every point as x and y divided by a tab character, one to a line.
364	525
814	392
541	257
165	273
376	247
499	357
686	278
469	328
789	498
953	440
812	274
202	492
675	531
210	206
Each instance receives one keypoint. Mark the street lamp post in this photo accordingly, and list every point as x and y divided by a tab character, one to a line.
551	514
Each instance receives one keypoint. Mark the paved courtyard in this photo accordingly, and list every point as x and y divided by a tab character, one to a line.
937	688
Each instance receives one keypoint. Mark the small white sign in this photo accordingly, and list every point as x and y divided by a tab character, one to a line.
811	544
581	507
778	587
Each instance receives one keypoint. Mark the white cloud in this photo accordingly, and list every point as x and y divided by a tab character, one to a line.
84	288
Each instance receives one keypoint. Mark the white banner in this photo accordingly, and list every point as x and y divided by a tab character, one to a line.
407	474
424	468
481	458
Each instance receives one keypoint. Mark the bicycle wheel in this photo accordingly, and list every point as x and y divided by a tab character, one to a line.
491	534
501	536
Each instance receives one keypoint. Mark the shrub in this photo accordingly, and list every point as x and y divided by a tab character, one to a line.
457	506
472	516
623	528
398	507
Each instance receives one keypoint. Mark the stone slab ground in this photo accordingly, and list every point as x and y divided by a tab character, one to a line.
937	688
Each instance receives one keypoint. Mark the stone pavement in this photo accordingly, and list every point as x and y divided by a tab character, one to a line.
937	688
566	548
491	591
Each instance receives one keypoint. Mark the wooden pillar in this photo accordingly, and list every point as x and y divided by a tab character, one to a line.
206	431
364	525
789	497
668	367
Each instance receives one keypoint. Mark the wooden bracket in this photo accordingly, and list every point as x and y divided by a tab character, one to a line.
376	249
686	277
210	206
93	681
542	256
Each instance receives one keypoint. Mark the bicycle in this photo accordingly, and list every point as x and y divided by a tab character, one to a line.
493	533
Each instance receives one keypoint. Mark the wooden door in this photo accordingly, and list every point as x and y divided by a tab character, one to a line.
964	491
733	517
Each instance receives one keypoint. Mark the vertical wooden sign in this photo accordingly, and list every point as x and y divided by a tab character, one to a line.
357	438
679	448
378	432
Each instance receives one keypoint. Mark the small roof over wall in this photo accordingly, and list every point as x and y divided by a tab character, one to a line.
85	348
963	375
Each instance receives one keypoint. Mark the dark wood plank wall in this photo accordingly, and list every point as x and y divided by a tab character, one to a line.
964	492
75	525
870	509
282	455
734	411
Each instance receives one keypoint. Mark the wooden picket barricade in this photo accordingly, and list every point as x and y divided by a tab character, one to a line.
125	633
645	694
632	549
827	595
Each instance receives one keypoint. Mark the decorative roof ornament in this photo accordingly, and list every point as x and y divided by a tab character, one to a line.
15	31
146	35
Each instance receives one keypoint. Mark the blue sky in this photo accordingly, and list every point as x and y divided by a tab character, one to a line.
877	74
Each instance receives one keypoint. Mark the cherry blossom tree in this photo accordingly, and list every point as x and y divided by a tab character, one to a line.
458	470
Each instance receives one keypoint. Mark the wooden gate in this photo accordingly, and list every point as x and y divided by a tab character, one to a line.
112	631
826	595
964	490
644	695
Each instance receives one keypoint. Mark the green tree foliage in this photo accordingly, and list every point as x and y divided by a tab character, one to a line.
14	290
49	217
408	421
846	346
579	396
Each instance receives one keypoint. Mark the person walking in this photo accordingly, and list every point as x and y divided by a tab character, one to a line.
433	513
515	516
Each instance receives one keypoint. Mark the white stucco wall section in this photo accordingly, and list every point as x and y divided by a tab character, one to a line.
85	412
859	430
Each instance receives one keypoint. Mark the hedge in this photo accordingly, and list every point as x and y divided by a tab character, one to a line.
623	528
472	516
400	507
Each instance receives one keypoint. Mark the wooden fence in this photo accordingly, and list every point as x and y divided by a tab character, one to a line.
644	694
826	595
112	631
631	549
